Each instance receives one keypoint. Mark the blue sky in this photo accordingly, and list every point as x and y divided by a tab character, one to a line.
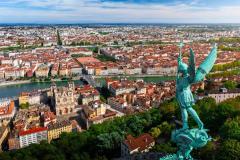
119	11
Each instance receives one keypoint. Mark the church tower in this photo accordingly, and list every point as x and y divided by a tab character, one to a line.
71	85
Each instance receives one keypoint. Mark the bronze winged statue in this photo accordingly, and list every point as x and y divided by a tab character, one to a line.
188	75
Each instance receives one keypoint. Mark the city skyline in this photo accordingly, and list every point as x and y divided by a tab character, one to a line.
106	79
119	11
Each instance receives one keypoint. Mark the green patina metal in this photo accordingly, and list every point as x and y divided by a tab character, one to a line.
185	138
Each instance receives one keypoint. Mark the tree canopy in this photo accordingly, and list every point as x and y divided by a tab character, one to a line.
102	141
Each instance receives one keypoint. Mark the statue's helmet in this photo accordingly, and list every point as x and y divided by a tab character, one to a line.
183	67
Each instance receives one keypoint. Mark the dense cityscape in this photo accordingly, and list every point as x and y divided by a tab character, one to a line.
107	91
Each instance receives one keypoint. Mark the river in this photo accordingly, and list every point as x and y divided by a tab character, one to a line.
15	90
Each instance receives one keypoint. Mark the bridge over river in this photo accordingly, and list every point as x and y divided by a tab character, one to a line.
90	80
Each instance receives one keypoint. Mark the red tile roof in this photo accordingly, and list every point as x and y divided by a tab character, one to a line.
7	109
33	130
142	142
84	60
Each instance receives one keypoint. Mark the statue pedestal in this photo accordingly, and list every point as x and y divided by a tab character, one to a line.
187	140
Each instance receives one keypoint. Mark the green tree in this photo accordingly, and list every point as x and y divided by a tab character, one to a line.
208	151
231	129
155	132
115	42
135	126
216	116
165	148
165	129
24	105
59	41
230	84
105	58
108	141
103	141
5	156
204	108
168	109
229	150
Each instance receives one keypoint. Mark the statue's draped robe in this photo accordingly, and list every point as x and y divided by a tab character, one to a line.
184	95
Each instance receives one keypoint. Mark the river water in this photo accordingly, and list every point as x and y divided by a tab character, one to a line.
15	90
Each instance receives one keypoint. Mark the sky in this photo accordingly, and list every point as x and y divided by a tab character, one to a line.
119	11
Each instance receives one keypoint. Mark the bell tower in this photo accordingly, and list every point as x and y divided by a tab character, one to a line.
71	85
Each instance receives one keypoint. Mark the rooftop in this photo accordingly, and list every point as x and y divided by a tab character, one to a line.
84	60
59	124
142	142
32	130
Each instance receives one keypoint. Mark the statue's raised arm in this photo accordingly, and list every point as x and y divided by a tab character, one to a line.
206	65
179	60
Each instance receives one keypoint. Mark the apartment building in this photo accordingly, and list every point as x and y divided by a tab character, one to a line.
34	135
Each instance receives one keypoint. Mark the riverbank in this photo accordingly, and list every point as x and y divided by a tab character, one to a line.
12	89
12	83
15	90
146	78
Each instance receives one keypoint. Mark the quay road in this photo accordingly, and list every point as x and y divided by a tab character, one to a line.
7	83
4	83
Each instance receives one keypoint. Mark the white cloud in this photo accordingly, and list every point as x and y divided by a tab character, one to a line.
77	11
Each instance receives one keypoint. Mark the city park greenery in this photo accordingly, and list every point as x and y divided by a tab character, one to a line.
230	85
150	42
102	141
224	74
225	40
226	48
227	66
24	105
103	33
59	41
105	58
83	43
78	55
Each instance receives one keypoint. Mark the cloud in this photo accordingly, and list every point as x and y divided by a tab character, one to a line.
116	11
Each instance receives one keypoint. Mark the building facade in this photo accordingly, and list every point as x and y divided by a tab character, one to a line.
56	129
30	97
34	135
63	99
224	94
7	112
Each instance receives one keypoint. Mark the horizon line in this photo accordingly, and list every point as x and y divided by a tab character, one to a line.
79	23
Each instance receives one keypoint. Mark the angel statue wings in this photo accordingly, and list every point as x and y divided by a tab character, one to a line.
188	75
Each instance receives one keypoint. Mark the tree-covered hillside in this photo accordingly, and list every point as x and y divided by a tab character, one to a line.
102	141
